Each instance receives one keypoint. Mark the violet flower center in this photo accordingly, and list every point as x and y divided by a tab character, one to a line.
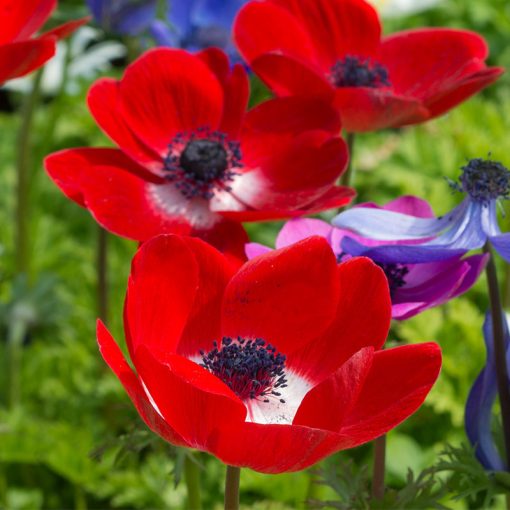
354	71
202	162
484	180
395	273
252	369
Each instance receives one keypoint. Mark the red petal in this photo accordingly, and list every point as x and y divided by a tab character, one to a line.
62	31
342	387
335	197
288	76
290	116
67	168
115	191
21	19
203	325
261	27
337	27
229	237
236	89
306	159
458	93
276	448
104	104
396	386
115	360
196	403
422	63
167	91
20	58
285	297
364	109
161	291
362	319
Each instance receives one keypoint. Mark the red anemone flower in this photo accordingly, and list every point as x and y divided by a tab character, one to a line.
333	48
192	161
20	53
272	366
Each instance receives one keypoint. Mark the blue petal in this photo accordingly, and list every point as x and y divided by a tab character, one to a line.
219	13
399	253
162	34
180	16
383	225
133	19
480	402
501	244
126	17
465	233
500	241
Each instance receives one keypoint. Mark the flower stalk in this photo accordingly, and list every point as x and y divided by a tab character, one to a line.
192	480
379	469
16	334
347	178
102	274
232	488
22	213
499	349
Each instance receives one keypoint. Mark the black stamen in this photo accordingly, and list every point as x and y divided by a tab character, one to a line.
250	368
484	180
353	71
395	273
200	162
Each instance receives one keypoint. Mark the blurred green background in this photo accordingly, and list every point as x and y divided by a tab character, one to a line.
76	441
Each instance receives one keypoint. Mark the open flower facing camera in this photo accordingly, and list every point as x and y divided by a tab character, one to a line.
191	159
245	363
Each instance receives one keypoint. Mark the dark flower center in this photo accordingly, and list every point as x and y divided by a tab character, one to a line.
252	369
204	159
395	273
202	162
357	72
484	180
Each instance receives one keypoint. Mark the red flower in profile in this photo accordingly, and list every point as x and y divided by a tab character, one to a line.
192	161
20	52
333	48
273	366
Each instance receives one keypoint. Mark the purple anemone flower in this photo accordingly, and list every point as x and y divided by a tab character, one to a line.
469	226
481	401
124	17
413	287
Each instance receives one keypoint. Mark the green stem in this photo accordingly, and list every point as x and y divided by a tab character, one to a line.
102	274
232	488
56	110
379	468
22	176
80	498
313	490
499	349
17	331
347	178
192	479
